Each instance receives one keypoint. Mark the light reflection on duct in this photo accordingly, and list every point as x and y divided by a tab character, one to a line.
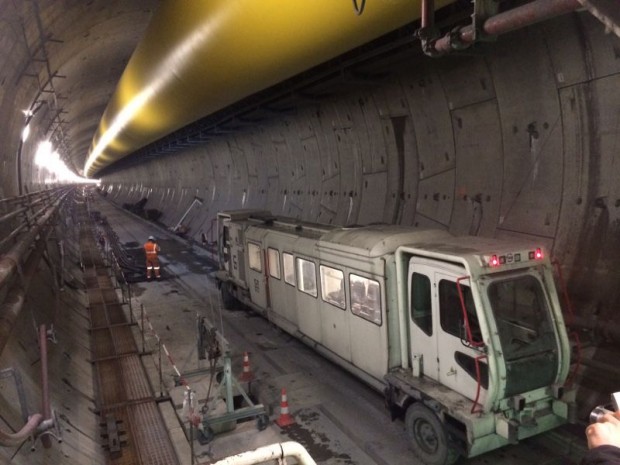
25	133
124	117
177	60
49	160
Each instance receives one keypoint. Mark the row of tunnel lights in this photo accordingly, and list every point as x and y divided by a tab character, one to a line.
48	158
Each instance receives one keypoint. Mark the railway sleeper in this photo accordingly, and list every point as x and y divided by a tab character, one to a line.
112	435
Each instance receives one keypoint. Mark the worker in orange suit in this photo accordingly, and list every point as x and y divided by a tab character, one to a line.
151	249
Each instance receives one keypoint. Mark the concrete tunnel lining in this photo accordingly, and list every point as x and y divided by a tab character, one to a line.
517	139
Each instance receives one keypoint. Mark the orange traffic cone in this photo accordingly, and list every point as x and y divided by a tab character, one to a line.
285	419
247	374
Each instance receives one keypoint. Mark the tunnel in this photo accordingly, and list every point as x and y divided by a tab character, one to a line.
121	120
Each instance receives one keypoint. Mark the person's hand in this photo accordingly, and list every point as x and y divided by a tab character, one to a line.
604	432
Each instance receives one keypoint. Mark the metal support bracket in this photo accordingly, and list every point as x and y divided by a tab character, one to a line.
229	383
483	10
606	11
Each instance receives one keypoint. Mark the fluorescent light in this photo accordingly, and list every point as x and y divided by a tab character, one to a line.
49	160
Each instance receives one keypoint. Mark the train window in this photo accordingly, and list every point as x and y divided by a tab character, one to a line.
421	306
451	312
332	286
289	269
365	298
468	363
306	276
273	256
522	316
254	257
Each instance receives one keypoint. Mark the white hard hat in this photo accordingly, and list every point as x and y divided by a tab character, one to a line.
151	238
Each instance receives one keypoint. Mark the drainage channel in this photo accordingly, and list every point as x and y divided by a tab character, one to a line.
134	432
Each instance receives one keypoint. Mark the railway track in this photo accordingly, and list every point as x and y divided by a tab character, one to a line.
133	429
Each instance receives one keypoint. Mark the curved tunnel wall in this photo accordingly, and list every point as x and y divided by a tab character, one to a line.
521	140
85	49
72	387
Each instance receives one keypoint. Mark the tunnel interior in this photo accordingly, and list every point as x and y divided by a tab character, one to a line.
514	137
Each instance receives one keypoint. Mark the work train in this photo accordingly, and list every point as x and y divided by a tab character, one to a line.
464	335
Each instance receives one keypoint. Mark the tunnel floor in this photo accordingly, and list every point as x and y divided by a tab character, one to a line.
134	429
338	419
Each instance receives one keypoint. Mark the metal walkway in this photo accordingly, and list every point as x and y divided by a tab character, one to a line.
134	430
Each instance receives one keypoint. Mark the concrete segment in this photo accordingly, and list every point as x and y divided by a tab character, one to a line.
517	137
70	371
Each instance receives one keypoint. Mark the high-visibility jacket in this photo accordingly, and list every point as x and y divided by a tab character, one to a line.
151	249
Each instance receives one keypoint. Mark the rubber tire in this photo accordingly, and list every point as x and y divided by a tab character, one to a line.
228	300
428	436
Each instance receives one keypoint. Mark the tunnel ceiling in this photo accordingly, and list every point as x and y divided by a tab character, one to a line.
62	59
194	60
362	68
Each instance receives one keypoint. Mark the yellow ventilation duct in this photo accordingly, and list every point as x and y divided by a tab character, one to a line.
199	56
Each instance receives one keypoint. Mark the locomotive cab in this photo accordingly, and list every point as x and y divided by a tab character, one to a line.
490	328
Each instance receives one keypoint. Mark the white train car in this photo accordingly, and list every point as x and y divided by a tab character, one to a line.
464	335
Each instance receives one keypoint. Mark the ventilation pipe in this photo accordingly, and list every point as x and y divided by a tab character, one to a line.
516	18
198	57
11	264
15	439
269	453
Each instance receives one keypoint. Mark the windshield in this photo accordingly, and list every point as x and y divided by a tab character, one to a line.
522	315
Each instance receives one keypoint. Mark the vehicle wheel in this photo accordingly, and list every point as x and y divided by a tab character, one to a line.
228	299
428	436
